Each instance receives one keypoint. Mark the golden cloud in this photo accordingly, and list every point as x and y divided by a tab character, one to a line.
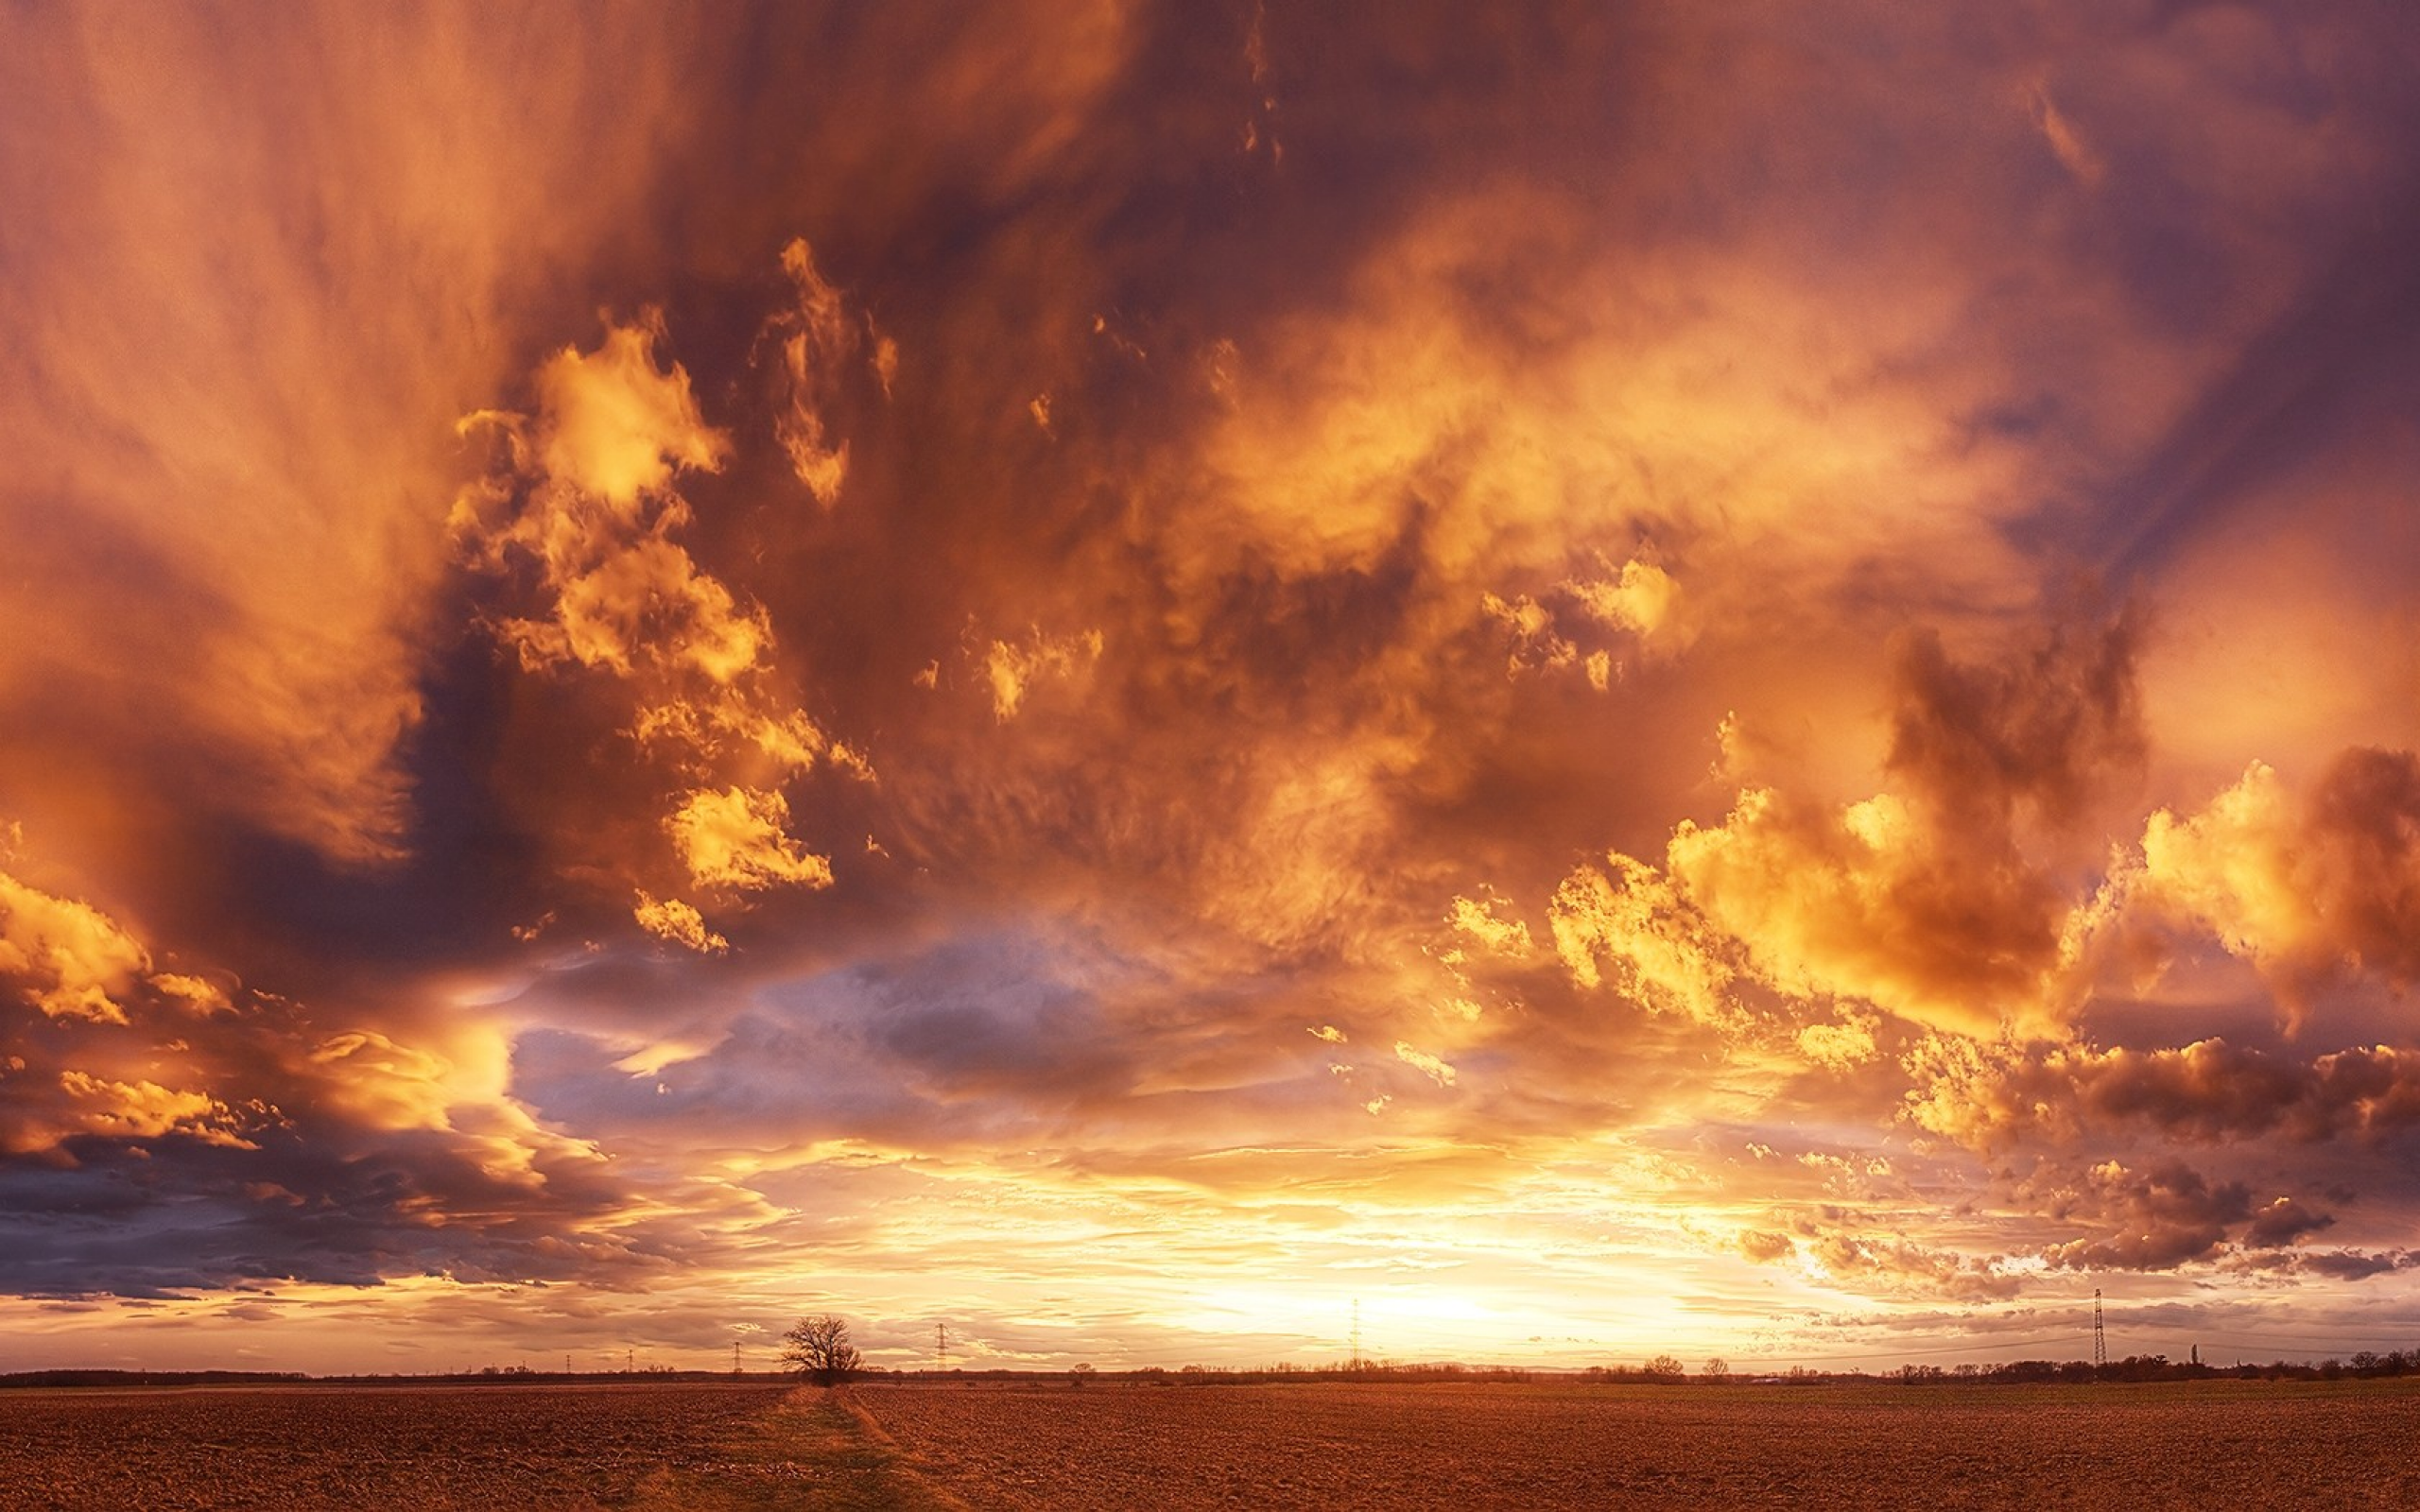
736	837
1628	916
144	1109
613	426
597	464
1431	1066
70	960
818	340
2309	891
679	922
1012	669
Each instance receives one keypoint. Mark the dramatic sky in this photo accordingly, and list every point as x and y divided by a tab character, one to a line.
1612	677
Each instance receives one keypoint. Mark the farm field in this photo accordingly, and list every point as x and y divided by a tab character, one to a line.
1349	1446
1028	1446
312	1446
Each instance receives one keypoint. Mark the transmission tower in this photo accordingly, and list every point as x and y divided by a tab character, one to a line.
1356	1333
941	1347
2099	1341
734	1357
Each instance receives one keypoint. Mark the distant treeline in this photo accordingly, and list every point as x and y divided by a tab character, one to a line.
1194	1375
152	1378
2366	1363
490	1376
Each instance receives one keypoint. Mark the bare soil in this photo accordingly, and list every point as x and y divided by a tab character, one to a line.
327	1446
699	1447
1338	1446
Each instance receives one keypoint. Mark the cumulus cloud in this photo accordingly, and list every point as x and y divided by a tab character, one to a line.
67	958
584	509
2152	1219
2207	1092
1628	916
145	1110
1893	1263
1921	899
1840	1046
1500	937
2283	1222
613	426
680	922
736	837
611	432
2306	891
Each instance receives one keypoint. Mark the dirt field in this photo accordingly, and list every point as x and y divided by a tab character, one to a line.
653	1448
2209	1443
361	1446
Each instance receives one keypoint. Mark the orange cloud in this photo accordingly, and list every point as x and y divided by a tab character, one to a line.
611	432
737	838
146	1110
2306	892
817	339
679	922
1013	670
613	426
70	960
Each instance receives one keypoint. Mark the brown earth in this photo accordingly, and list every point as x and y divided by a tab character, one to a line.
318	1446
1336	1446
879	1446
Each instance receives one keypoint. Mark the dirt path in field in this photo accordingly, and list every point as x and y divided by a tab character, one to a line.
818	1448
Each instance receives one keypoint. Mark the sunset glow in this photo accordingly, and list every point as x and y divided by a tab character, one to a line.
1142	680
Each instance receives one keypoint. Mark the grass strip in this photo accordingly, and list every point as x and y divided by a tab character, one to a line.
816	1448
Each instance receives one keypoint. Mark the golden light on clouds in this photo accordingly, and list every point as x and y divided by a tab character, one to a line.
1614	682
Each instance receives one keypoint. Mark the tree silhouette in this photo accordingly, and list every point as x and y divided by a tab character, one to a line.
819	1348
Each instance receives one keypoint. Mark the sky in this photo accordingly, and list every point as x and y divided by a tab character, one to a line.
1577	679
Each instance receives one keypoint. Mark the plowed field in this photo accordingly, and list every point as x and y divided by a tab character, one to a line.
2211	1444
318	1446
885	1448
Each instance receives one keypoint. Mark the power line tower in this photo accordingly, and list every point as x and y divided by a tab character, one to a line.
1356	1333
734	1357
941	1347
2099	1341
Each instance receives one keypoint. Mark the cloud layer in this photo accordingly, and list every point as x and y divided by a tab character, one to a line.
1119	673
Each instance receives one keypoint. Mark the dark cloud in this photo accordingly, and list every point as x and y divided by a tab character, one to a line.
2151	1219
2351	1265
2283	1222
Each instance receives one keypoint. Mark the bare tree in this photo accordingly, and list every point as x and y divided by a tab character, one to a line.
1664	1367
819	1348
1080	1374
1716	1371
